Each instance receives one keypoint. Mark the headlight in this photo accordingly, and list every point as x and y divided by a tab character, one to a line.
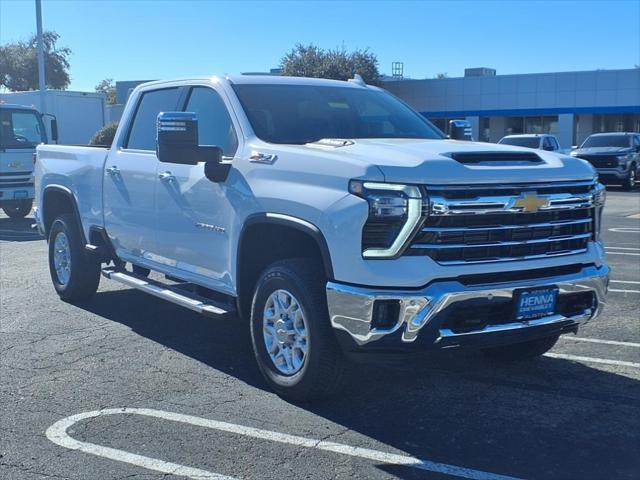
599	199
625	158
395	213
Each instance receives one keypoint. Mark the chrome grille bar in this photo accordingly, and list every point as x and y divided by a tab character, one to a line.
471	224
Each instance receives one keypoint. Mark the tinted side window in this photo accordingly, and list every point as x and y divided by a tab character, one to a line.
554	143
214	123
142	135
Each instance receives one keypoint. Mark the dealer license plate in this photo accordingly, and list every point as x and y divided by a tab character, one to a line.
535	302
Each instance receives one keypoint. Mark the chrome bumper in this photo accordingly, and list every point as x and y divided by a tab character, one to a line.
351	308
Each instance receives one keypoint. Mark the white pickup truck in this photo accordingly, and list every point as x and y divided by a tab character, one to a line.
332	218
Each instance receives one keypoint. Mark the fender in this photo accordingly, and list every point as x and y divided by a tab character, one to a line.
293	222
72	199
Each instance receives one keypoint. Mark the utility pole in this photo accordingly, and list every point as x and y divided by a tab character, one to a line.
40	49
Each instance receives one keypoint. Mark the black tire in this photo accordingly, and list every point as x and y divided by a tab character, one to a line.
18	208
84	268
522	351
323	366
630	181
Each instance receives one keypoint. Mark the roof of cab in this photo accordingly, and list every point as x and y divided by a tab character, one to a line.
259	80
609	134
521	135
14	106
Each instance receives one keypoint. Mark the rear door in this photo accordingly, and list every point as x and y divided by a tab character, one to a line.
130	179
195	215
20	131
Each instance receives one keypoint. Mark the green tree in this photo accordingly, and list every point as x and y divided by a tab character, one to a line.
107	87
104	136
312	61
19	64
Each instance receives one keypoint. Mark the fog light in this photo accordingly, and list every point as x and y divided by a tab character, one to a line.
385	314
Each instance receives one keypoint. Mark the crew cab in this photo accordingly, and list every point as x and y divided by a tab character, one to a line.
533	140
333	219
21	129
616	156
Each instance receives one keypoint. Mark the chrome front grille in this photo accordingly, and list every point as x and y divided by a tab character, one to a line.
505	223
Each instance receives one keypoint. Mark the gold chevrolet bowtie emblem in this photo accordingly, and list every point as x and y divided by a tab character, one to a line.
530	202
13	165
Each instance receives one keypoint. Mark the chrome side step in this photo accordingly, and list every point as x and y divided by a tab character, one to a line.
169	293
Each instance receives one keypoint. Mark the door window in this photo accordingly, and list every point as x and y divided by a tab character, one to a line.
142	135
214	123
20	129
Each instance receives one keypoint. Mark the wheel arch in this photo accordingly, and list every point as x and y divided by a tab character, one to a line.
56	200
262	229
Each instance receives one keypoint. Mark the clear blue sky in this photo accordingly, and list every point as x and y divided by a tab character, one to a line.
129	40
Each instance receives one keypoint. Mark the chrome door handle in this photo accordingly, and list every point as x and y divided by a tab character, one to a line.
112	170
166	176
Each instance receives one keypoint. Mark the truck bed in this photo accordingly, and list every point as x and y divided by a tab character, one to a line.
78	169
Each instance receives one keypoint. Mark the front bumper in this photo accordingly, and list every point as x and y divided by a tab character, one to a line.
614	173
10	193
424	316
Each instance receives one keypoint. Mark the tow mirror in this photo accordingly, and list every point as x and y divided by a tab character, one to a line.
177	142
460	130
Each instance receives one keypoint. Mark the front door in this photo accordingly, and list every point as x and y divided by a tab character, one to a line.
194	215
130	180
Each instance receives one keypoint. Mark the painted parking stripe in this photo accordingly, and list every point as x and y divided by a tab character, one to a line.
621	290
625	281
57	433
625	230
620	248
608	252
598	340
604	361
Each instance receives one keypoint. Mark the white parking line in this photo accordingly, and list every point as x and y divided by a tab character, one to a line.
618	290
57	433
598	340
621	248
625	281
625	230
604	361
622	253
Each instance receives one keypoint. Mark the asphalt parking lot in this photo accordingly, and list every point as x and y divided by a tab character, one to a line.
155	391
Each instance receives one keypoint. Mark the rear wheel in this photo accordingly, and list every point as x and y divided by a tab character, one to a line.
522	351
75	272
292	338
18	208
630	181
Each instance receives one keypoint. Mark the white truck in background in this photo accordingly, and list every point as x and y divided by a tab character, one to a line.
332	218
21	129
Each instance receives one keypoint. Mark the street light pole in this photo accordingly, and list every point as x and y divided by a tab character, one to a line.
40	49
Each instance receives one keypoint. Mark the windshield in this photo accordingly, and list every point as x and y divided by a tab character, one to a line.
20	129
622	141
307	113
529	142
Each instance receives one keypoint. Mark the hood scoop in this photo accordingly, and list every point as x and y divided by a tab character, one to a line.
497	159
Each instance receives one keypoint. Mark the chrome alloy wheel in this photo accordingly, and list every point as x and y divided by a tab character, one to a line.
62	258
285	332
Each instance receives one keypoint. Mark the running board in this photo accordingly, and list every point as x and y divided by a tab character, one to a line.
169	293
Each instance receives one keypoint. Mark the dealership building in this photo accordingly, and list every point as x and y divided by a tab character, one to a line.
570	105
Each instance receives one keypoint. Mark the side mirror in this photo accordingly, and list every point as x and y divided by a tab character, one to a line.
177	142
460	130
54	130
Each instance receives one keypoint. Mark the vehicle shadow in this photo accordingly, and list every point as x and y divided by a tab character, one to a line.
548	418
18	230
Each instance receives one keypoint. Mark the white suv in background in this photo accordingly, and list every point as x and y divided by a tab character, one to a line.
533	140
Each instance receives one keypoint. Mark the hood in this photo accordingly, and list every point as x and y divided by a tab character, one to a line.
430	162
600	151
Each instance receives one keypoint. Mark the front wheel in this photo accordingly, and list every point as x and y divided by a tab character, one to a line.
18	208
522	351
292	338
75	273
630	181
